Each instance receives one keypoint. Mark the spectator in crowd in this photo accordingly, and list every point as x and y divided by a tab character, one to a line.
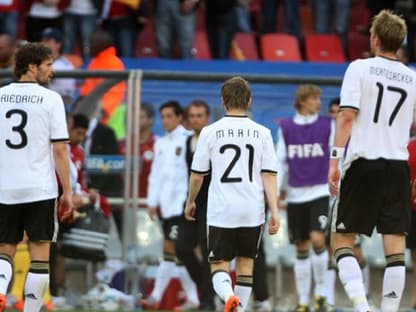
376	6
175	17
101	140
240	156
124	23
193	235
104	56
146	148
66	87
332	13
303	148
169	172
9	18
80	21
221	24
42	14
411	237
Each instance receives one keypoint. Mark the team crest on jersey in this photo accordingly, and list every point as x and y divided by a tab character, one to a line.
178	150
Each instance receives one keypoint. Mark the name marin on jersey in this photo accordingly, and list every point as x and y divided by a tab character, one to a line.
305	150
237	133
21	98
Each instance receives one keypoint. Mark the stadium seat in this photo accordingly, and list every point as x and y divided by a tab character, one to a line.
358	45
244	47
323	48
146	43
200	50
280	47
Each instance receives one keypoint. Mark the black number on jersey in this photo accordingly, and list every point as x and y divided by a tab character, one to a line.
19	128
225	177
403	95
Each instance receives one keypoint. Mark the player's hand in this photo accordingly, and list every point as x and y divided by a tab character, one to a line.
66	206
190	211
274	224
333	178
152	212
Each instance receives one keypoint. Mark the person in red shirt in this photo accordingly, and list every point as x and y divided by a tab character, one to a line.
147	141
411	238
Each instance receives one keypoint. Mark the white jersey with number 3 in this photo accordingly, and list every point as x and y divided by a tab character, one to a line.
383	91
31	118
236	150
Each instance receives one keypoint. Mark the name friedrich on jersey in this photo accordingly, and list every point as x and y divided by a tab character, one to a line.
237	133
21	98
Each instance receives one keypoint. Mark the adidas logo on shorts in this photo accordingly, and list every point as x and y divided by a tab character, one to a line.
391	295
341	226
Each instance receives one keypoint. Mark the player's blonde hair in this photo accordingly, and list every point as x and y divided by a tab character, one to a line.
303	92
236	93
390	29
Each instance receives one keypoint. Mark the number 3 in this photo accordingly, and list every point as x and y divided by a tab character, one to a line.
19	128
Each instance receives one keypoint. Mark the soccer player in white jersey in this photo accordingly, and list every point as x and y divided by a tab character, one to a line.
378	101
33	137
241	157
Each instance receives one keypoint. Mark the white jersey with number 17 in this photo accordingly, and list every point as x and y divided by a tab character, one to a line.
236	150
383	91
31	119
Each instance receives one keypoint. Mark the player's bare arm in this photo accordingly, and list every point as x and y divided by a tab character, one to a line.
61	157
195	183
270	188
343	127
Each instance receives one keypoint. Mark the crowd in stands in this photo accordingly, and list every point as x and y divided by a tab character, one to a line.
198	28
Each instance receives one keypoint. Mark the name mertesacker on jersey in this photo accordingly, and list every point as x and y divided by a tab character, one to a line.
390	75
21	98
237	133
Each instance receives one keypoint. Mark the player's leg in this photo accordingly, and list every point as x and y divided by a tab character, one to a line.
248	239
395	272
298	226
319	259
41	228
360	192
221	250
394	223
188	284
166	267
11	233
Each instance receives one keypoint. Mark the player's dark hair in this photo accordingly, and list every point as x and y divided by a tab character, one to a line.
200	103
148	109
32	53
177	109
236	93
80	121
334	101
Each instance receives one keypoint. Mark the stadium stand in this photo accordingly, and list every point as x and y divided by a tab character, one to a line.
280	47
323	48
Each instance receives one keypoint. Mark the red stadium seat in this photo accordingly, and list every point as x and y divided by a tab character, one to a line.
200	49
146	43
358	45
323	48
280	47
244	47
